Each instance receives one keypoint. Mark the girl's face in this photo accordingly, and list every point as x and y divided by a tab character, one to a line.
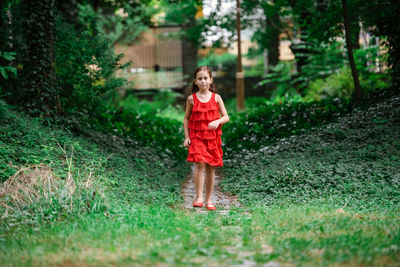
203	80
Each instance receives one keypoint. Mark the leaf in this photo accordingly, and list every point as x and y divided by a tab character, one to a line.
3	73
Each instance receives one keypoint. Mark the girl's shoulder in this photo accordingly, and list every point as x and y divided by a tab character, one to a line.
190	99
218	98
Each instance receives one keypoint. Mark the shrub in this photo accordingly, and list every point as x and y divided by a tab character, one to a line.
339	84
85	70
224	63
275	120
164	134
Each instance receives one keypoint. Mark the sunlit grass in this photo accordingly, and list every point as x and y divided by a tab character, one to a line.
296	234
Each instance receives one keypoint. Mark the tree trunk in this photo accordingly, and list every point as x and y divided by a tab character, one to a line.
37	83
357	86
273	48
239	74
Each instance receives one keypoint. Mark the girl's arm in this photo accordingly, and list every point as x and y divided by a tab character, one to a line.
224	119
188	112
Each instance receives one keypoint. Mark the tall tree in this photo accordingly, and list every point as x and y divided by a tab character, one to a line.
37	84
239	73
357	86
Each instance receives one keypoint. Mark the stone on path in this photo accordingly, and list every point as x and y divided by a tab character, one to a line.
222	201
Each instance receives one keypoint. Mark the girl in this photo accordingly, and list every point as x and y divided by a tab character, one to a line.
202	125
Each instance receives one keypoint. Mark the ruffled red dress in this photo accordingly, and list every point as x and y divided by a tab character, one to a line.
205	144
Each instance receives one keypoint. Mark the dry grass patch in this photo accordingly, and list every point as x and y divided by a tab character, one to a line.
36	193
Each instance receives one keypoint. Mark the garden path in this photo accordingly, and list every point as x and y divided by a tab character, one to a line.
222	201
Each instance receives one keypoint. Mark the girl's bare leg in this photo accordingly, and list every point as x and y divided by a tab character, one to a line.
199	180
210	177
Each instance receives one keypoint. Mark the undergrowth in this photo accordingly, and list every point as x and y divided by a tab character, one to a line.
351	162
122	170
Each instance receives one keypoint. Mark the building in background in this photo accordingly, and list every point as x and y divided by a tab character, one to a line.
157	59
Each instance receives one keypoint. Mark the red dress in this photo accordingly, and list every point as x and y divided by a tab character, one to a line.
205	144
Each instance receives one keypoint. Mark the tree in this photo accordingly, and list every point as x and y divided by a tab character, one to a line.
350	51
267	25
37	88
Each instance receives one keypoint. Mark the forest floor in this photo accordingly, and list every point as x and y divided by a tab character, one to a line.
131	206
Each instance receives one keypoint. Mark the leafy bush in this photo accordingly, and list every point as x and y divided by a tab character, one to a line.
339	84
282	76
251	102
326	73
323	60
85	70
224	63
162	100
163	134
275	120
4	70
124	26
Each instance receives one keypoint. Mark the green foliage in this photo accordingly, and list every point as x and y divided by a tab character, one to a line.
256	70
37	89
352	162
225	63
162	99
162	105
269	121
124	26
251	103
9	56
183	13
382	18
324	60
115	169
371	63
163	134
85	70
282	76
339	84
326	73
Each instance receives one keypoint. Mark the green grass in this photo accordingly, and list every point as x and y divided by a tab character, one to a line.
124	170
354	162
308	235
326	198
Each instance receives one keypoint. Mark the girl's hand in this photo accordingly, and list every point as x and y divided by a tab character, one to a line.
213	125
186	143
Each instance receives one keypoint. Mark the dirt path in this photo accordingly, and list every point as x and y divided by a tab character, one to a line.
222	201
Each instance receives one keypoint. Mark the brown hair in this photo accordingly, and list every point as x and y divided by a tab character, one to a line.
195	88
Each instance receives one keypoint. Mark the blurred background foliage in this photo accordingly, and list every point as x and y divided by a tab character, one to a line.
64	69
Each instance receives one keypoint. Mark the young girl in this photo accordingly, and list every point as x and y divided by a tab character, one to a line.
202	125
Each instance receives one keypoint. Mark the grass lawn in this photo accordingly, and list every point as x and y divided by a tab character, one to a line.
326	198
293	235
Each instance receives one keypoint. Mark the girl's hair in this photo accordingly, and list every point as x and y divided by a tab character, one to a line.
195	88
